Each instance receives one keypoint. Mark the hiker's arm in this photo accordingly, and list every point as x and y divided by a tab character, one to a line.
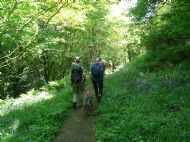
71	78
91	72
71	75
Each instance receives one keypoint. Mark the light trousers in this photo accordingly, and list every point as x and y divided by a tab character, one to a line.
78	93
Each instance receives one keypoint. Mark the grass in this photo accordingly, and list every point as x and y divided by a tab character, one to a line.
146	107
137	106
37	115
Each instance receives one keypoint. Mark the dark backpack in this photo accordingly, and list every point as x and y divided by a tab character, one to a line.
76	73
98	70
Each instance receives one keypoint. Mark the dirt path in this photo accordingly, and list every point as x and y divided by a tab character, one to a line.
78	127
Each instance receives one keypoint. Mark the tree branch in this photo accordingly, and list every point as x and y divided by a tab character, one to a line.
25	24
10	12
47	22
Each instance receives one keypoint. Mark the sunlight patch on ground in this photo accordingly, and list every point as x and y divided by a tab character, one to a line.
31	99
53	83
24	100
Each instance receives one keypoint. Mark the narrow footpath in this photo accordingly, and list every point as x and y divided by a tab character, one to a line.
78	127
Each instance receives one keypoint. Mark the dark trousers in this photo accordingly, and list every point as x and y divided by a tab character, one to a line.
98	88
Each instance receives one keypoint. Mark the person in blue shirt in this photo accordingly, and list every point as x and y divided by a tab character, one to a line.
97	76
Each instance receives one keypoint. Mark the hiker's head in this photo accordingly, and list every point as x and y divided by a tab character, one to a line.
77	59
97	60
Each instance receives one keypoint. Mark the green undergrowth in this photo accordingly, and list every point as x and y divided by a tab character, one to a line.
146	107
37	115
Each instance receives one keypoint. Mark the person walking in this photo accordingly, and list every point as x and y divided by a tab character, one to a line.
97	75
77	82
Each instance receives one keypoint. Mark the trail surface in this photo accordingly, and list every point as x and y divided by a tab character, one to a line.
78	127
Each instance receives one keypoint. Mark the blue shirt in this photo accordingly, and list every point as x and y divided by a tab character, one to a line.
93	69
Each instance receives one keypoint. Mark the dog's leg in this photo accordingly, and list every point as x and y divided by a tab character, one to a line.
91	104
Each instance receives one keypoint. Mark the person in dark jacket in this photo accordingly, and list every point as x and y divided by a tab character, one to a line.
97	76
77	82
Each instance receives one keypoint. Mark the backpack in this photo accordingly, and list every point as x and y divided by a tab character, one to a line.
98	70
76	73
103	64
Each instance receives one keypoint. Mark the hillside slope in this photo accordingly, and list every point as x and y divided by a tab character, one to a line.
141	106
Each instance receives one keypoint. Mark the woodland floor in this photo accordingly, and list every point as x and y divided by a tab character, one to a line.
78	127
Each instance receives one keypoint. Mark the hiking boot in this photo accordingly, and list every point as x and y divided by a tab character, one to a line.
74	105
